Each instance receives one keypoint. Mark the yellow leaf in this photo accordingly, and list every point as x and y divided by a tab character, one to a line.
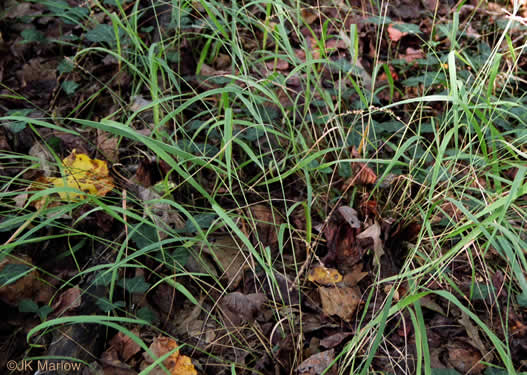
324	276
84	174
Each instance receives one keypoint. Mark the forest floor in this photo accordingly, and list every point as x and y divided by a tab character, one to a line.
275	187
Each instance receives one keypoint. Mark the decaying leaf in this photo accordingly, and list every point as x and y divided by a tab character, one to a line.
324	276
317	363
340	301
81	173
176	363
70	299
362	174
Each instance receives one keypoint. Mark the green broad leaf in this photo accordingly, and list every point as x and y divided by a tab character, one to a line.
134	285
18	126
65	66
483	291
44	311
180	255
147	314
144	235
106	306
495	371
376	20
69	87
204	221
12	272
409	28
103	33
33	35
444	371
522	299
27	305
103	278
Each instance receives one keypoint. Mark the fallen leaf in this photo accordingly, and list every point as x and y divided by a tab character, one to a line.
353	277
266	225
473	333
412	54
395	34
70	299
362	174
239	308
317	363
278	64
374	232
339	301
465	358
334	340
176	363
24	287
81	173
350	215
107	145
124	346
229	256
324	276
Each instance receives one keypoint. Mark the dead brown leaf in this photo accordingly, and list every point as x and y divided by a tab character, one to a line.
353	277
317	363
465	358
25	287
124	346
412	54
350	215
266	224
70	299
239	308
229	256
334	340
340	301
107	145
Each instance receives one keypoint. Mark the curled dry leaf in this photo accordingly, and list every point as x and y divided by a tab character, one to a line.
324	276
362	174
176	363
374	232
340	301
